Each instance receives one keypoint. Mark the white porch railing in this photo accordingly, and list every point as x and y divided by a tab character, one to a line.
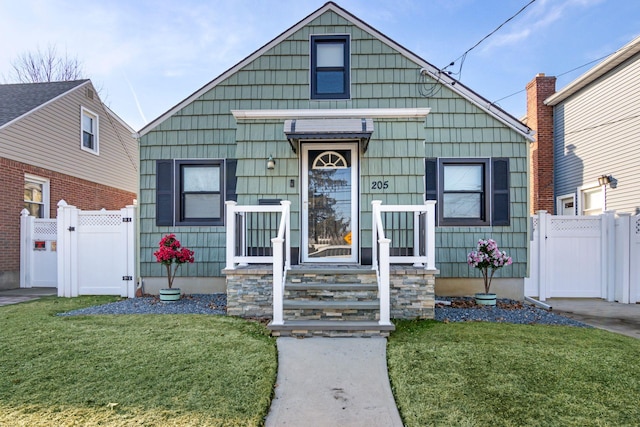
250	240
413	242
249	231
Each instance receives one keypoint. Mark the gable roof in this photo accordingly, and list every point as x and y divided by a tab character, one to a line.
431	70
17	100
621	55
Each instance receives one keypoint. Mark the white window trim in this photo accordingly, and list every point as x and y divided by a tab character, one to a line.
46	191
85	111
559	200
581	191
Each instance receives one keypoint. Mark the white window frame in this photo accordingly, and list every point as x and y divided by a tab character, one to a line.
561	199
586	189
46	191
96	119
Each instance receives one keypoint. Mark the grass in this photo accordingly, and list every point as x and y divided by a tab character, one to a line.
481	374
131	369
197	370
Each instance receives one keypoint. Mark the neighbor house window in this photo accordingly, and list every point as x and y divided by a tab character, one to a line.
36	196
193	192
469	192
330	67
592	201
566	205
89	131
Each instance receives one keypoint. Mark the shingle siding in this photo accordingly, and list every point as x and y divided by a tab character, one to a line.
380	78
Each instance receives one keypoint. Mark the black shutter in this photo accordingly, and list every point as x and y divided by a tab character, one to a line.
431	179
500	191
231	180
431	182
164	192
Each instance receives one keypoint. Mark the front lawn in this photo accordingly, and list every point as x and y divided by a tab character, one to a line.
489	374
182	370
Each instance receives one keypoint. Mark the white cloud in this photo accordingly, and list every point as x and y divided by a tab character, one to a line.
535	19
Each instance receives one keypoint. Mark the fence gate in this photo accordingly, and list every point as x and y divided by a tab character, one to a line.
94	252
585	257
38	251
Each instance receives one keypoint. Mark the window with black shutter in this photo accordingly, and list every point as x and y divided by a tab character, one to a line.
193	192
469	191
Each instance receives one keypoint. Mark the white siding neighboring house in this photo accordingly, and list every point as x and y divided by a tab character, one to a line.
596	137
59	141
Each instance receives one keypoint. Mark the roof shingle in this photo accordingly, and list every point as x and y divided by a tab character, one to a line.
18	99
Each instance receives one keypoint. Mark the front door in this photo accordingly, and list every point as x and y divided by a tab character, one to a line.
330	202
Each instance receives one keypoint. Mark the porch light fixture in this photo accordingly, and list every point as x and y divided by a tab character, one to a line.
605	180
271	164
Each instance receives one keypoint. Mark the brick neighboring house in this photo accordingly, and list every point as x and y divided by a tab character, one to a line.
59	141
586	153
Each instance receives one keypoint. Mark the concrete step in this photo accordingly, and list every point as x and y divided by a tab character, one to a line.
330	305
322	286
331	270
327	328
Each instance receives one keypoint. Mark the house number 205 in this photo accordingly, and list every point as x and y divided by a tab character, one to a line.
379	185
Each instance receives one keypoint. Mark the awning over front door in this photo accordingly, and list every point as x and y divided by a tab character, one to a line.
334	129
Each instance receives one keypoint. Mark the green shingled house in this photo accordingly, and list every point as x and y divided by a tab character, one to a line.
333	180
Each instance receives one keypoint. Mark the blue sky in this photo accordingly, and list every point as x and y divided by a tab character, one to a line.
145	56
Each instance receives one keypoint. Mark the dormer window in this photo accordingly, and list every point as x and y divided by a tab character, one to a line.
330	67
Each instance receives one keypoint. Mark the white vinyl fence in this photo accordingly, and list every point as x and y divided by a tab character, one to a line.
585	257
80	252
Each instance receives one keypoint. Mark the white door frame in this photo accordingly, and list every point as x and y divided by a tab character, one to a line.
355	191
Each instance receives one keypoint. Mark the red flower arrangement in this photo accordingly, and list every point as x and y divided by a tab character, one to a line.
171	252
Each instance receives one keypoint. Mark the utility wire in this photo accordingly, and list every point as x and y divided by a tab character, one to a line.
567	72
464	55
612	122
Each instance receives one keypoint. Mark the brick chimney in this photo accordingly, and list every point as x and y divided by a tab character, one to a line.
540	119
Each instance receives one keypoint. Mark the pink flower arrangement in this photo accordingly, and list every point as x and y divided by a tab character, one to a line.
487	257
171	252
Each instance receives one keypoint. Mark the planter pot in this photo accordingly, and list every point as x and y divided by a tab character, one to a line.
170	295
485	299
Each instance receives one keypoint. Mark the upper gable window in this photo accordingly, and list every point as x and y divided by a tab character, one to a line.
330	67
89	131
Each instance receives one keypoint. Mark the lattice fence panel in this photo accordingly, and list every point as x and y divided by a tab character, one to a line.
582	224
102	220
45	229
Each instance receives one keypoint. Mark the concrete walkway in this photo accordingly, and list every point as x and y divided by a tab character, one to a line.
14	296
333	382
611	316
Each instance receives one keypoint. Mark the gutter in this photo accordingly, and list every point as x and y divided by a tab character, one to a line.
537	303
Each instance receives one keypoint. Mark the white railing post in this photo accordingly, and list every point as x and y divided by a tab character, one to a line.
375	213
286	211
542	255
67	250
278	291
231	234
385	293
634	257
607	256
26	248
430	234
620	260
416	238
128	242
